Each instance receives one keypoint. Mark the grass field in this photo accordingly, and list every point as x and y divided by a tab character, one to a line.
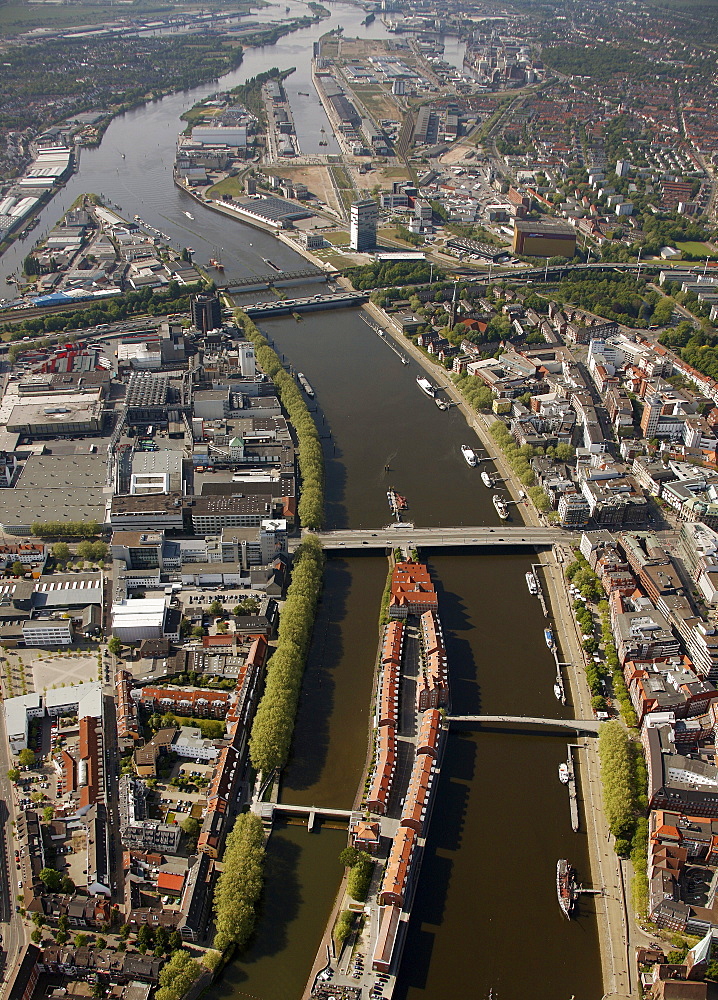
337	239
695	248
230	185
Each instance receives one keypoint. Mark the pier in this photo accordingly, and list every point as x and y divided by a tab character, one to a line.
382	333
591	726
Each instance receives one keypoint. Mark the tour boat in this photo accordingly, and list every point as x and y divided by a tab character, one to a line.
501	508
469	455
565	886
426	386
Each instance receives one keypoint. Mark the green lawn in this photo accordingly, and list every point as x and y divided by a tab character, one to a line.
230	185
337	239
695	248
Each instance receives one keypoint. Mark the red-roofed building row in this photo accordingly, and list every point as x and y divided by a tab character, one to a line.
89	771
412	592
398	867
432	689
377	798
200	703
126	709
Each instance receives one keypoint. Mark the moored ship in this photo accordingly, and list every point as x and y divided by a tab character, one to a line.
565	886
532	583
486	479
426	386
548	636
301	378
501	509
469	455
441	404
396	501
563	772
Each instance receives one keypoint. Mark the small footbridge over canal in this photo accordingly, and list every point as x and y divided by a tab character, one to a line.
590	726
268	810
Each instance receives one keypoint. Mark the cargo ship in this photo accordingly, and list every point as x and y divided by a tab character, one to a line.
501	509
469	456
426	386
565	886
532	583
301	378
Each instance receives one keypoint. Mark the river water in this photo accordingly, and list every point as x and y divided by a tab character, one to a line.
486	915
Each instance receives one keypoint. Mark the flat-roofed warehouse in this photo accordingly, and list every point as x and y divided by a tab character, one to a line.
55	488
53	415
544	239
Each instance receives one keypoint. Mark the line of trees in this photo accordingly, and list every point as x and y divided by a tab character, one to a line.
177	976
59	529
311	458
240	885
273	725
518	459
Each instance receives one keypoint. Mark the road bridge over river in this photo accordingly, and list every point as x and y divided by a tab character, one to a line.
482	536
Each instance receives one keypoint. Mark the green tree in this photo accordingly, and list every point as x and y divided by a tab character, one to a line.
26	758
144	936
36	936
114	645
51	879
13	774
47	813
67	885
80	940
17	568
198	632
216	608
61	552
190	827
240	885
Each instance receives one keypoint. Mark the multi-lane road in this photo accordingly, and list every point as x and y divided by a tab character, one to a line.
11	925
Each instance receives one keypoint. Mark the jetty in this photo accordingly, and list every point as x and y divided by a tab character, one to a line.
382	334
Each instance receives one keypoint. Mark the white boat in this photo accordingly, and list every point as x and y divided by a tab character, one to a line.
469	455
501	509
486	479
425	386
558	691
189	216
563	772
441	404
532	583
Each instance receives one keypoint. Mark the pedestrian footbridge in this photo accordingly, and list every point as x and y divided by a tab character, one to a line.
577	725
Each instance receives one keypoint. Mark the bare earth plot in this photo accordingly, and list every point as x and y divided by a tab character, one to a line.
316	178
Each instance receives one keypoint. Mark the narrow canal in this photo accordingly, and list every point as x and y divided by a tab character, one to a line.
486	915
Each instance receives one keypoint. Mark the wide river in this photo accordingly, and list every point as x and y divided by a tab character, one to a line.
485	916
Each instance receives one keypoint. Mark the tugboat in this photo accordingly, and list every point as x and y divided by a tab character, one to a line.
565	886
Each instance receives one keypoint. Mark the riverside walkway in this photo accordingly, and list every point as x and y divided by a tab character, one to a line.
395	535
578	725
